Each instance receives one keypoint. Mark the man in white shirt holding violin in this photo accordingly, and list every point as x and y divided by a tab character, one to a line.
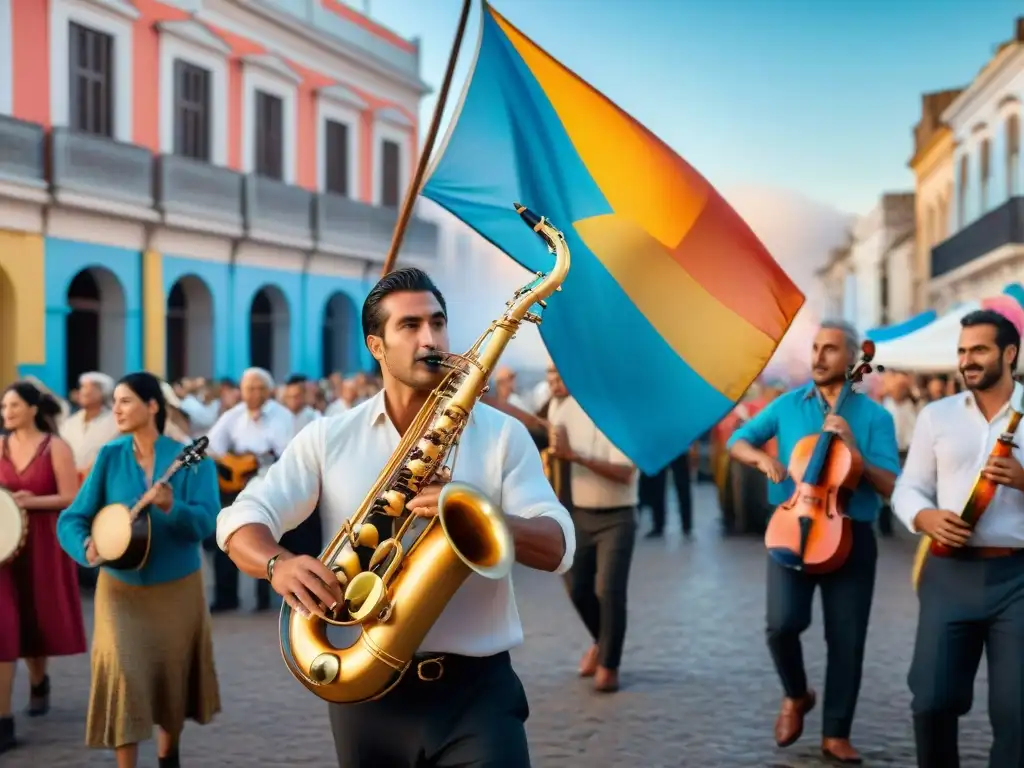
972	599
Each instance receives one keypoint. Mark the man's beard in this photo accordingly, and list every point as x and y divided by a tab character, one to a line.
989	378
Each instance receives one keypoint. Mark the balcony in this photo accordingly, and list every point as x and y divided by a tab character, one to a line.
278	213
1001	226
195	195
101	174
22	160
351	228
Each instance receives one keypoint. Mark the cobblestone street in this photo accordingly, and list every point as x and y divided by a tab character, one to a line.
698	686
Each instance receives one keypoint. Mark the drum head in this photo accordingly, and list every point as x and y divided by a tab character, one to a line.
112	531
12	526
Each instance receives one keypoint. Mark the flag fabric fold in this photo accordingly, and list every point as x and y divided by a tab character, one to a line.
672	306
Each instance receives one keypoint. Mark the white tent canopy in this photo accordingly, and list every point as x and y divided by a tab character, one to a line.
931	348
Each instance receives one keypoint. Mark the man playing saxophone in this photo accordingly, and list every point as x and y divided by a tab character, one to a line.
461	702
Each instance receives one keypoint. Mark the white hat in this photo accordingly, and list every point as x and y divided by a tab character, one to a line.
170	396
101	380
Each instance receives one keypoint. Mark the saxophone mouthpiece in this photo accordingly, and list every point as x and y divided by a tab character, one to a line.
531	218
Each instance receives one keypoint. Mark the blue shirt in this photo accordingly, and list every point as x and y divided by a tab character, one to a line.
117	478
801	412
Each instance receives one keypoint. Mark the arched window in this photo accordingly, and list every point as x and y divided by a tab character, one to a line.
1012	155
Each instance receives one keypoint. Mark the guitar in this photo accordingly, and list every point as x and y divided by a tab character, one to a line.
123	536
982	493
234	471
810	531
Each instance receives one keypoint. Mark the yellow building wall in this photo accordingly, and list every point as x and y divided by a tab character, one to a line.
154	314
22	303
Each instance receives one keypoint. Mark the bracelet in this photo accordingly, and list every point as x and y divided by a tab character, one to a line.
270	566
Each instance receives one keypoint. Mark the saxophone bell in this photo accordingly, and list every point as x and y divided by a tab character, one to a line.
476	529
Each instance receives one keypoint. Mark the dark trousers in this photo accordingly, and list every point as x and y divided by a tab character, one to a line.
885	515
846	607
969	605
599	577
472	717
304	540
653	493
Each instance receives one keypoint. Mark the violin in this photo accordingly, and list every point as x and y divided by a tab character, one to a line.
811	531
982	493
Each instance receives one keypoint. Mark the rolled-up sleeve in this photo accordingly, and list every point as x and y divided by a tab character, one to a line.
525	490
286	495
760	429
916	486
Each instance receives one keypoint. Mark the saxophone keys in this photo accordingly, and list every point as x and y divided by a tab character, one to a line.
380	554
418	468
347	564
429	451
391	503
366	597
366	535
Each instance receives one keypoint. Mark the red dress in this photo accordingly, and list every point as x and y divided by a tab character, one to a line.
40	608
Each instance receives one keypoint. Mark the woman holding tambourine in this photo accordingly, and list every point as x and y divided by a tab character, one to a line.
40	610
152	648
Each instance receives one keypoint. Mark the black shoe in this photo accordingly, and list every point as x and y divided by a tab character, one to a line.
39	698
171	761
7	741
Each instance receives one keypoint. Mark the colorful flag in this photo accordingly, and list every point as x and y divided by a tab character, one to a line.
672	306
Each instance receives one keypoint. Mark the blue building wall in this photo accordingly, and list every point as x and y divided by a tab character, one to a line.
64	260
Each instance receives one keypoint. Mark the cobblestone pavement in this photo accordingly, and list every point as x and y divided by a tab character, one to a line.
698	687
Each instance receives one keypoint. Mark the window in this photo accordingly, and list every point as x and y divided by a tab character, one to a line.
269	136
1012	155
337	157
191	111
91	80
985	175
389	191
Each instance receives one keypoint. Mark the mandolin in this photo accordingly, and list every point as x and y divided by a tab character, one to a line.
810	531
982	493
122	536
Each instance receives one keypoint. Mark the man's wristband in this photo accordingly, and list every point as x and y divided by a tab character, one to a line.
270	566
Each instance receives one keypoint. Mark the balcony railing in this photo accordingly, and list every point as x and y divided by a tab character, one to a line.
278	211
22	153
102	174
95	167
363	231
195	194
1001	226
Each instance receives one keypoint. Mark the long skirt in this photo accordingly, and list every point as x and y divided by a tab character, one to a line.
152	660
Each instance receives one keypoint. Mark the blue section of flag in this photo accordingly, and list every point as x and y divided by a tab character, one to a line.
508	145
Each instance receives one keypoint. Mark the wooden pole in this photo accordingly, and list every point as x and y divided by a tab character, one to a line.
412	192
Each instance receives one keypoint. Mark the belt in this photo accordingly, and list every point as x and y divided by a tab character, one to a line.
433	666
983	553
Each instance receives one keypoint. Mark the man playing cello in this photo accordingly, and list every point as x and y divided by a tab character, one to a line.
846	593
972	598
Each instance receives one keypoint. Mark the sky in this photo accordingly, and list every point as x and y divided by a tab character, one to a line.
814	96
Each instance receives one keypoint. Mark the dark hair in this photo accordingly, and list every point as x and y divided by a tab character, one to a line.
1006	332
296	378
147	387
48	409
407	279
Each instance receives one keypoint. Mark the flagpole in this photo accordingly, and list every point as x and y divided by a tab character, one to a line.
412	191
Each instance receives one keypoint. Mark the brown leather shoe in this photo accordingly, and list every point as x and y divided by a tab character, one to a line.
588	664
606	680
840	751
789	726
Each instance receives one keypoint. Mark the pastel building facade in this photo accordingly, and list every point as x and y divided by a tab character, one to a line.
196	186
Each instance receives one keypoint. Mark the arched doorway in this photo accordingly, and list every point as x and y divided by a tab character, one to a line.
338	334
270	331
94	331
189	329
8	331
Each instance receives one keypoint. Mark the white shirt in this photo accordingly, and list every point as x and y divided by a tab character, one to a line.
237	432
952	442
201	415
589	489
337	408
306	416
904	416
87	437
335	461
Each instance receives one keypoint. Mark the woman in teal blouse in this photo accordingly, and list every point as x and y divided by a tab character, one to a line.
152	649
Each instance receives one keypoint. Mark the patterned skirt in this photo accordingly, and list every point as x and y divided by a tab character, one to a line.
152	660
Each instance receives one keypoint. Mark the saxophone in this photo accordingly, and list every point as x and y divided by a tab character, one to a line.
396	589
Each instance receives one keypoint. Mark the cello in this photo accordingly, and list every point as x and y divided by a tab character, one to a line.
982	493
810	531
